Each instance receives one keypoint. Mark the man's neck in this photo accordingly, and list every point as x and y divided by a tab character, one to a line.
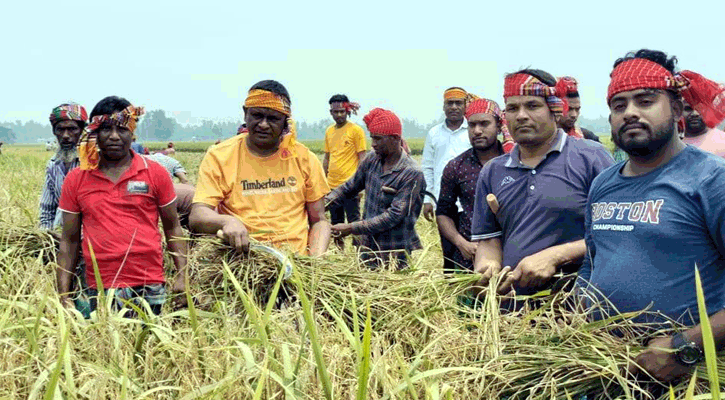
532	155
115	168
338	126
453	125
637	166
392	159
491	152
261	152
689	134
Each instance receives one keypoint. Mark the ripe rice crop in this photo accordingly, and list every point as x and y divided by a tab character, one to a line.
342	332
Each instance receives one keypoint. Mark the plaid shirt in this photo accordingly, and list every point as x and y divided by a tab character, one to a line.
55	172
393	202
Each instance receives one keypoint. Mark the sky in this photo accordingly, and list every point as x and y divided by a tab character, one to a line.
196	60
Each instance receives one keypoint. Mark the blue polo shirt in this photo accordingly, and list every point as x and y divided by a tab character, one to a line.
646	233
539	207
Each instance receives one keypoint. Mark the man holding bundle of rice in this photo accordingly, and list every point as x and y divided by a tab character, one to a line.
263	183
654	217
537	227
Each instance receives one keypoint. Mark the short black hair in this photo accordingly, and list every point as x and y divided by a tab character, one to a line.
545	77
339	98
660	57
274	87
110	105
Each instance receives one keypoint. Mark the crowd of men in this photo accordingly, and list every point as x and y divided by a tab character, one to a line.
522	194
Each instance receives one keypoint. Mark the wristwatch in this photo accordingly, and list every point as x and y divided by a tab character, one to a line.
686	352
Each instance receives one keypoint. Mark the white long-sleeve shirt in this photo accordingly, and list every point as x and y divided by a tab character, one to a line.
441	146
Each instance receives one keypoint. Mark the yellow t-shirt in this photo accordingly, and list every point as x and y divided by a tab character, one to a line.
343	144
267	194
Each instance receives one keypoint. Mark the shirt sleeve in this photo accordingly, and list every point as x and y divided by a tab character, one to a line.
69	193
326	147
359	139
211	187
585	271
399	208
712	191
178	167
316	186
484	224
164	187
48	201
428	162
448	193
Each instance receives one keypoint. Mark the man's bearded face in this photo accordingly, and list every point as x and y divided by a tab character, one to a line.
482	131
694	124
642	120
67	133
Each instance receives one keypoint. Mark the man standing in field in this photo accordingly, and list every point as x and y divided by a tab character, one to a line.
344	150
458	184
537	227
651	220
701	135
567	88
117	197
67	121
393	183
263	183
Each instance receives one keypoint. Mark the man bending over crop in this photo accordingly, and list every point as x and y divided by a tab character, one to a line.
263	183
654	217
117	197
393	183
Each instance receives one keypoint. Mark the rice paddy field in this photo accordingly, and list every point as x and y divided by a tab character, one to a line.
329	330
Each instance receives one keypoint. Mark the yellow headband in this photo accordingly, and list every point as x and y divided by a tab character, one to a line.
265	99
454	93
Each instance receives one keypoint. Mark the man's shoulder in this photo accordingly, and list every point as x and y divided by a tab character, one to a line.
701	163
227	148
436	128
586	147
460	159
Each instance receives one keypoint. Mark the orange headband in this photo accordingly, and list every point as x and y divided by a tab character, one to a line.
454	93
265	99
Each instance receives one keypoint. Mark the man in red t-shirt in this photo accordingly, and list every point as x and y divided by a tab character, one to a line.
117	197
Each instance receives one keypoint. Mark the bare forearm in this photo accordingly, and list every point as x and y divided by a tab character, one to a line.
67	259
568	253
205	220
717	323
488	250
318	238
448	229
326	163
176	242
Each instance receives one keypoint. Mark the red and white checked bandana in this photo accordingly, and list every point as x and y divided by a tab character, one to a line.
566	85
68	112
704	95
349	106
528	85
486	106
383	122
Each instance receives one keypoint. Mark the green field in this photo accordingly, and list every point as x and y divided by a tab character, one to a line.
347	333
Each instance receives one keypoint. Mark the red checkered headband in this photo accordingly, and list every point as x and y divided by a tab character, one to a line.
383	122
704	95
528	85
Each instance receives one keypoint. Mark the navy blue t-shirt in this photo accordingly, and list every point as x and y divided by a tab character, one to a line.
646	233
539	207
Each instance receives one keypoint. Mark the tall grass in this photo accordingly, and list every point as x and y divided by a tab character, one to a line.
343	332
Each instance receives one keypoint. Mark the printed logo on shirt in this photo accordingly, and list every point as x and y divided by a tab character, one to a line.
647	212
137	187
507	180
270	186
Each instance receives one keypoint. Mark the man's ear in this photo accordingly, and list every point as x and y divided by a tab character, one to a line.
677	108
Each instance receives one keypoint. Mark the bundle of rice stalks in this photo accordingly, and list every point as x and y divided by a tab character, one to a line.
22	241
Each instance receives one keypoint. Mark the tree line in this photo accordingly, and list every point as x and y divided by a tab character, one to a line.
156	125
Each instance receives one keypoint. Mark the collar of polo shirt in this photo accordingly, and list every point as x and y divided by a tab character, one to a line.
514	161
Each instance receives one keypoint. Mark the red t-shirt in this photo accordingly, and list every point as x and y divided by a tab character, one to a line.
121	221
